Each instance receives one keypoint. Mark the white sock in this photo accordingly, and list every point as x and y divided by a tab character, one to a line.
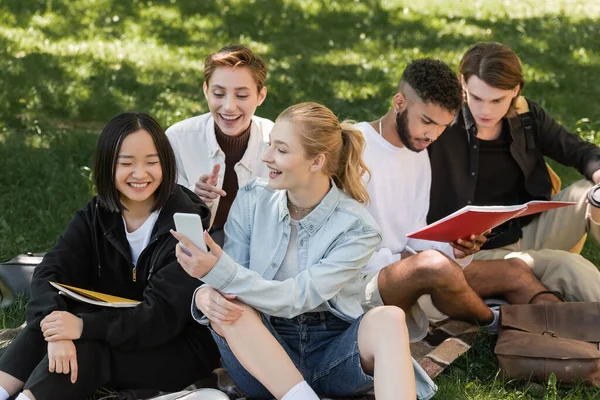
493	326
22	396
3	394
301	392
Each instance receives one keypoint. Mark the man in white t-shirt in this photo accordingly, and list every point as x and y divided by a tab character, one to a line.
427	100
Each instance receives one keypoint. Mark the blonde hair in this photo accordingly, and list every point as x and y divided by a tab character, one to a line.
342	144
236	55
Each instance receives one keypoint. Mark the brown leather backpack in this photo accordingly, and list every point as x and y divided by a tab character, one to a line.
536	340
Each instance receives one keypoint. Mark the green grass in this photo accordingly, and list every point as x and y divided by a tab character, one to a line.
67	67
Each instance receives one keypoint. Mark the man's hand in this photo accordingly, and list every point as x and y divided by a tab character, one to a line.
62	358
206	187
464	248
61	325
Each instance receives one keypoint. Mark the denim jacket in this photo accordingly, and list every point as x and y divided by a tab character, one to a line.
335	241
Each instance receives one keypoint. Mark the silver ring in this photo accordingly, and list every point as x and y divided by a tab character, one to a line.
219	300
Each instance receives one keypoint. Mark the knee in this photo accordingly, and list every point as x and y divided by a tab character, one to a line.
385	320
578	190
437	268
518	267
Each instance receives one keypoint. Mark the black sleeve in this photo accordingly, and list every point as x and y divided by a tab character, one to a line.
162	315
563	146
70	260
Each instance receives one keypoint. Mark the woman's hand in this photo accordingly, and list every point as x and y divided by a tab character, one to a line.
217	307
62	358
196	263
464	248
206	186
61	325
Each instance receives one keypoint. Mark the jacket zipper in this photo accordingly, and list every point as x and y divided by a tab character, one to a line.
134	270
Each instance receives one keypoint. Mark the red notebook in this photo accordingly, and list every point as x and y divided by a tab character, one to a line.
479	219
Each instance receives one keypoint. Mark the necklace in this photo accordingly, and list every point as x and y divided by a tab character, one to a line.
380	129
298	209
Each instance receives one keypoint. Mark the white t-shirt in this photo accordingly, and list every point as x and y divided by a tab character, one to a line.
139	239
399	191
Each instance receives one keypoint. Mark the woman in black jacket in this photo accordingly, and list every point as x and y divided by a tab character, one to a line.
120	244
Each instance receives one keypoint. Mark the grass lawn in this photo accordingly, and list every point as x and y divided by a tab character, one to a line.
67	67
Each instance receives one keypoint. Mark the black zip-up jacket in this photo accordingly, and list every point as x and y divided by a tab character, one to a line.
454	159
94	253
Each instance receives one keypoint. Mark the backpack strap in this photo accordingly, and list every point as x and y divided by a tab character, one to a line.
522	109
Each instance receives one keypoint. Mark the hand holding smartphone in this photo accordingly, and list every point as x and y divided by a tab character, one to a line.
190	225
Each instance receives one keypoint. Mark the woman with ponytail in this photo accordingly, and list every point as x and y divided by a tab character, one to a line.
282	296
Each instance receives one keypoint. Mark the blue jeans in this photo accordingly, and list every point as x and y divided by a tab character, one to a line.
323	347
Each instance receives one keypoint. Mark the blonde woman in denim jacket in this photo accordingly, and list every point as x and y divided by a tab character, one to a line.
284	296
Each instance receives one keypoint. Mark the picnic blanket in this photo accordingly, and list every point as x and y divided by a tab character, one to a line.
446	341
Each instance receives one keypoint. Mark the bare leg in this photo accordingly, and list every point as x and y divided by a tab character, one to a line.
259	352
385	353
510	278
11	384
431	272
29	394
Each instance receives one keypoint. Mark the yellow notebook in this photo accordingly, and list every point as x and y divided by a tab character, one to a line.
95	298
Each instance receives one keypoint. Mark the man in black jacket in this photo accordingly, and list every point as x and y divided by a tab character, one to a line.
493	154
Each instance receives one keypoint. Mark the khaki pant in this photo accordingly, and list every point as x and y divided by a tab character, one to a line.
546	243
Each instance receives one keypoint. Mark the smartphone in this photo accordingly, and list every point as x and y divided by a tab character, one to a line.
190	225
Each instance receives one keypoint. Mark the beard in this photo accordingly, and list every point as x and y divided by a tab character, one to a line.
403	131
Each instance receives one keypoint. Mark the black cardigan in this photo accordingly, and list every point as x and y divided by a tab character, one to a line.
93	253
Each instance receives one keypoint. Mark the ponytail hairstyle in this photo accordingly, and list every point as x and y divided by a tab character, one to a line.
495	64
342	144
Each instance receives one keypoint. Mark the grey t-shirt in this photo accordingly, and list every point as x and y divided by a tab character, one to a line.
289	266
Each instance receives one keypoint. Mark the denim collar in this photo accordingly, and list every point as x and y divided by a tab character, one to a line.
313	221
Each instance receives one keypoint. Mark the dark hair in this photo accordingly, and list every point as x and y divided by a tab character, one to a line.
236	55
495	64
107	151
434	82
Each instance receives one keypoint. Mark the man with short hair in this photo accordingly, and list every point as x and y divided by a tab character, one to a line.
426	102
